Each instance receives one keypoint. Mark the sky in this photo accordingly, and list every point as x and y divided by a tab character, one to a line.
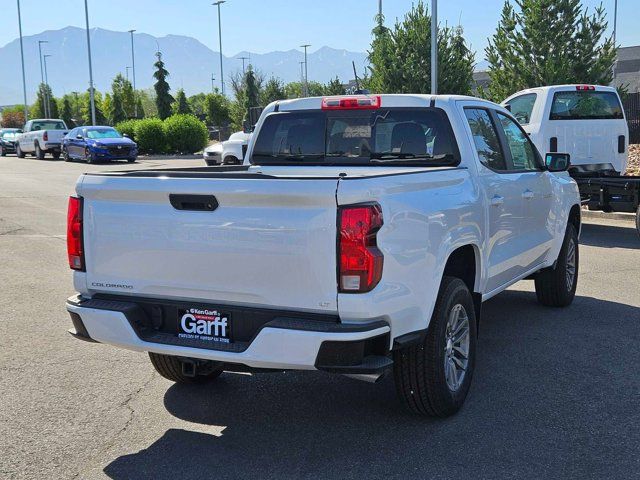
266	25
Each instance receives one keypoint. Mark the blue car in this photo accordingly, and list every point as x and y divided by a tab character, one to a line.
93	144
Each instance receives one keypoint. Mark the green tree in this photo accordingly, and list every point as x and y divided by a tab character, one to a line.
335	87
162	88
122	88
217	109
181	105
547	43
13	117
294	89
247	89
86	109
66	113
140	107
197	104
400	58
273	90
38	108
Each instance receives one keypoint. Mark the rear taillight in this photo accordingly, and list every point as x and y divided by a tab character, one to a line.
45	136
359	259
75	250
359	102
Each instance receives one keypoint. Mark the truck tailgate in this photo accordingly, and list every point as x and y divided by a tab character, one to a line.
270	242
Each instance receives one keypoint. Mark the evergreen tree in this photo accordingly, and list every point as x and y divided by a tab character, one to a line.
181	105
66	112
335	87
116	112
162	88
273	90
548	43
38	108
140	107
400	58
86	109
217	109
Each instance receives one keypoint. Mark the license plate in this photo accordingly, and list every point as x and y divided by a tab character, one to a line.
207	324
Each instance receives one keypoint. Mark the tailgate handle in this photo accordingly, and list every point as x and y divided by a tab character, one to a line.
200	203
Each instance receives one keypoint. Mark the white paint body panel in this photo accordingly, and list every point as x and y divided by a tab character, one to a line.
272	241
29	138
587	141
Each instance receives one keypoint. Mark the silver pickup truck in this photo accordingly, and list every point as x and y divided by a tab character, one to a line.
41	136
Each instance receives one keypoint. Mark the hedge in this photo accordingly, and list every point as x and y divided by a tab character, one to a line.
149	135
184	133
128	127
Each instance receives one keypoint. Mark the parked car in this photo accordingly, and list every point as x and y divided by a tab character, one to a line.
587	122
8	139
92	144
41	136
362	235
229	152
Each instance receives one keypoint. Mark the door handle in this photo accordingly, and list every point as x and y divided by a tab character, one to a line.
528	194
497	200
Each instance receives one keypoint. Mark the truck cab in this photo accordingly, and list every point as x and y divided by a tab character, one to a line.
586	121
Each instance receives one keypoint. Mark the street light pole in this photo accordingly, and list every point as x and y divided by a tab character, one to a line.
91	92
127	69
243	59
46	83
218	3
133	63
434	47
24	78
615	30
213	88
306	73
40	42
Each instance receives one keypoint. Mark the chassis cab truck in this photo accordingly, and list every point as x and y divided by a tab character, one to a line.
361	236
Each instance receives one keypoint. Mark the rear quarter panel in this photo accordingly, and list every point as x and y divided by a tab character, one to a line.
426	217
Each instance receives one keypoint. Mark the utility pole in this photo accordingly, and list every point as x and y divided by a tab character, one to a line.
46	101
218	3
213	88
92	99
46	83
133	63
127	69
243	59
306	72
434	47
24	78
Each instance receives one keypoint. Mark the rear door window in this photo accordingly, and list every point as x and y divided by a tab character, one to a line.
357	137
522	106
485	138
585	105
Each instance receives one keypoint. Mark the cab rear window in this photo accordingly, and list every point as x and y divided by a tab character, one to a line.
408	136
585	105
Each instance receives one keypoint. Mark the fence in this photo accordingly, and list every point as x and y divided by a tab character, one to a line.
631	106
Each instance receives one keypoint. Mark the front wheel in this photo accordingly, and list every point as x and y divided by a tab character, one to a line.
131	160
2	152
556	286
87	156
433	377
638	220
171	368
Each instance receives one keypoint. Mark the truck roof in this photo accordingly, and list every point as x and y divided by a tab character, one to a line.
386	100
560	88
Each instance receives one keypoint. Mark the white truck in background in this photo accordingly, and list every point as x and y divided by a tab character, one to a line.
361	235
41	136
228	152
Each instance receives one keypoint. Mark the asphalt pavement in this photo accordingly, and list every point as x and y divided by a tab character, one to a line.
556	392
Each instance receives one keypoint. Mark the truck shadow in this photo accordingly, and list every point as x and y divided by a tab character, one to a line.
610	236
543	384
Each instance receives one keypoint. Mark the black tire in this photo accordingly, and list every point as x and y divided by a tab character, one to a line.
171	368
131	160
2	152
65	155
419	370
56	155
230	160
19	152
87	156
553	286
39	153
638	220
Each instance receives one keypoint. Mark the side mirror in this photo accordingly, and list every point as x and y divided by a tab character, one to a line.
507	106
79	137
557	162
20	131
125	135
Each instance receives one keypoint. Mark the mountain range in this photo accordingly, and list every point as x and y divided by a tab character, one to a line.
190	63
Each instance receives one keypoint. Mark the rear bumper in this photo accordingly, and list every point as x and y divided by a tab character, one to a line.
285	342
51	147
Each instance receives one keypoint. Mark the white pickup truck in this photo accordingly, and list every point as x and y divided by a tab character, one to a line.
362	235
41	136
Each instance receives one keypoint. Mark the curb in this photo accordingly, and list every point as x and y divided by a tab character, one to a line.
597	214
171	157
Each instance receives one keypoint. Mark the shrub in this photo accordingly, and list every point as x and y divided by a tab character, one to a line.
149	135
185	134
128	127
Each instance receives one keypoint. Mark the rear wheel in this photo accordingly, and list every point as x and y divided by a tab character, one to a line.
172	369
39	153
56	155
556	287
434	376
638	220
